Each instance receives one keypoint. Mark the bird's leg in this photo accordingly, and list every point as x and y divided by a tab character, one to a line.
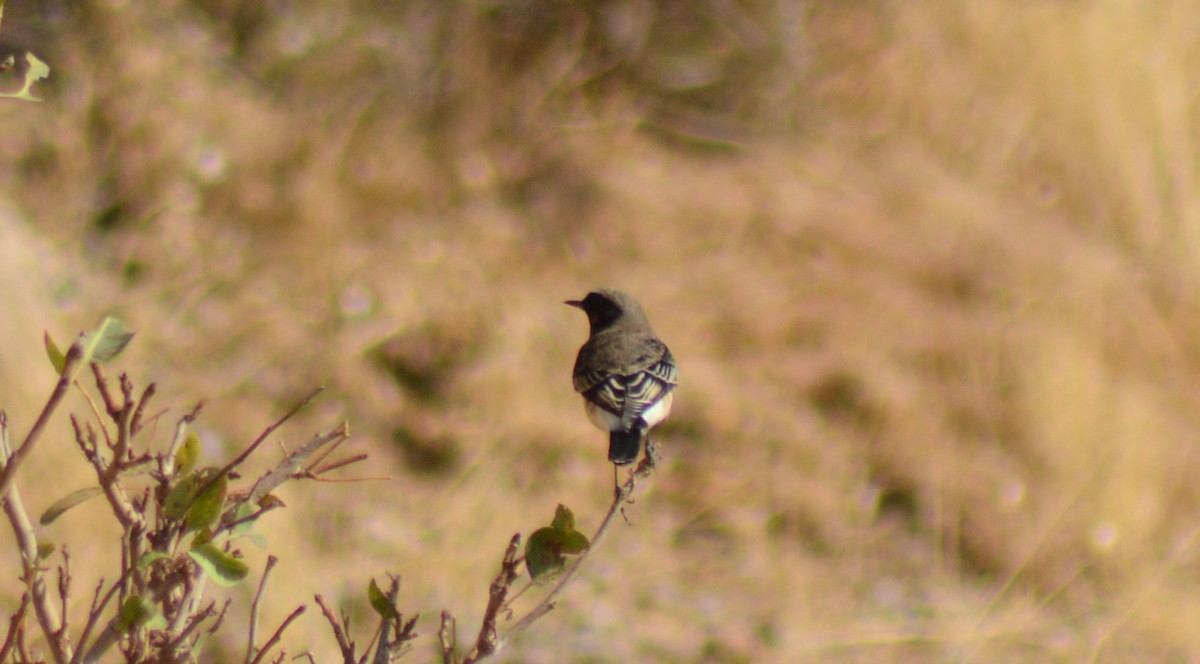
652	455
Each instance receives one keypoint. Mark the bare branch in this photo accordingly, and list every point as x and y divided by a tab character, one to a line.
488	641
239	459
343	641
64	593
293	464
96	612
102	387
135	425
14	461
262	584
15	625
278	633
448	636
18	519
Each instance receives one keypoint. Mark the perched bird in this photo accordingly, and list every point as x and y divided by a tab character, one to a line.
624	371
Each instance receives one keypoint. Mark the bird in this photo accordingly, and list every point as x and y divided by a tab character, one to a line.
625	373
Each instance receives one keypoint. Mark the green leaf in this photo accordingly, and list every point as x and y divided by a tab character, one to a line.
149	558
380	602
45	549
221	567
188	456
67	502
207	505
546	548
106	341
564	519
575	542
135	612
179	498
57	359
543	554
32	71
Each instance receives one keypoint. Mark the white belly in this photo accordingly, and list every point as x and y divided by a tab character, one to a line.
606	421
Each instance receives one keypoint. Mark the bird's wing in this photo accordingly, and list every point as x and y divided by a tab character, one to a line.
647	386
626	390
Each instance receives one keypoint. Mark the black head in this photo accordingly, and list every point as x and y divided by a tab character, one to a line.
606	307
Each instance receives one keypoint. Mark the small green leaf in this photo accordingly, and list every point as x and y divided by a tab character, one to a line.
188	456
546	548
31	71
207	505
543	554
564	519
221	567
67	502
106	341
379	602
575	542
135	612
45	549
57	359
149	558
179	498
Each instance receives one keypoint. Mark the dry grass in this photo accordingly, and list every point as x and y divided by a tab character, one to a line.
928	268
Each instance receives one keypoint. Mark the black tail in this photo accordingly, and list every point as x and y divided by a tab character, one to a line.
623	446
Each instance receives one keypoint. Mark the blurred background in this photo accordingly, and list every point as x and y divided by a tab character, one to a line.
929	269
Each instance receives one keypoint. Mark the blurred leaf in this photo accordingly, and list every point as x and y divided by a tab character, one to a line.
67	502
542	554
564	519
220	566
271	501
379	602
106	341
31	70
135	612
183	494
545	549
207	505
45	549
187	456
57	359
575	543
179	498
149	558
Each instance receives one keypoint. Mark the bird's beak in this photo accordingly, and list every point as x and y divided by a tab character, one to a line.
578	304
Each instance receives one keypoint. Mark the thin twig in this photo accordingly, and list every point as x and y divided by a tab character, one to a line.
334	465
448	636
13	463
488	642
136	424
64	593
94	614
292	465
43	608
194	621
262	584
15	624
343	641
239	459
278	633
